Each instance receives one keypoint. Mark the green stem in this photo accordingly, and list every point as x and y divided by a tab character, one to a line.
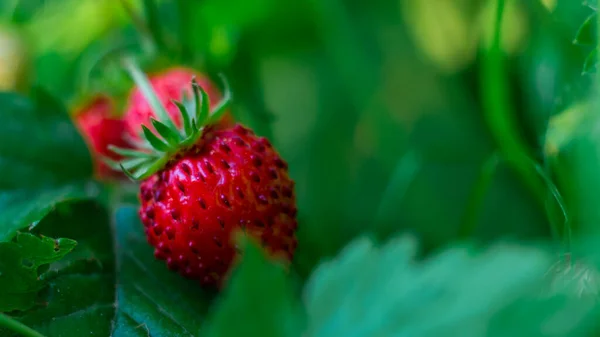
404	174
500	119
566	224
18	327
476	198
145	87
152	18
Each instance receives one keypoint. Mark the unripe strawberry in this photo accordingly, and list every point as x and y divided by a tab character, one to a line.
203	182
169	85
100	128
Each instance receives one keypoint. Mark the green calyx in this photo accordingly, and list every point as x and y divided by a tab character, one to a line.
157	148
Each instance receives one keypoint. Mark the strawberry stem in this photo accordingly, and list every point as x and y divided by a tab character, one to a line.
145	87
18	327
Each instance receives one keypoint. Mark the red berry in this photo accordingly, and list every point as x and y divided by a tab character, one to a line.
231	179
99	129
169	85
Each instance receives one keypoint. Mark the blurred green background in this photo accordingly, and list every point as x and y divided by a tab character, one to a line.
390	114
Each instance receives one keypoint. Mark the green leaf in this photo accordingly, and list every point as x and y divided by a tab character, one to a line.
220	109
586	35
150	297
185	117
43	159
591	62
20	262
155	141
23	207
170	135
80	295
134	163
39	146
370	291
111	285
128	152
260	298
202	102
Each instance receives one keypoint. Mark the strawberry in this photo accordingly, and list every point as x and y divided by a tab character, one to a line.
100	128
169	85
202	183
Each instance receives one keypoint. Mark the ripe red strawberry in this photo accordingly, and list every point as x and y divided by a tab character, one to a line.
168	85
100	128
202	184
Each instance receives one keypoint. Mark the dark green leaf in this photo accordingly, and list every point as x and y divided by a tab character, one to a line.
586	35
20	262
39	146
202	103
79	299
185	117
21	208
150	297
155	141
43	159
370	291
112	286
261	299
170	135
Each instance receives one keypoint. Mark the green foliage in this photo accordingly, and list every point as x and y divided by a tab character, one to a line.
461	291
80	291
586	35
20	208
19	264
94	289
43	160
151	299
382	135
53	153
263	289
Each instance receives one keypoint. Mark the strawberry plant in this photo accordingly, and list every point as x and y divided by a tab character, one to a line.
324	168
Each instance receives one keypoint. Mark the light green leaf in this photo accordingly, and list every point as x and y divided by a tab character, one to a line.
370	291
261	299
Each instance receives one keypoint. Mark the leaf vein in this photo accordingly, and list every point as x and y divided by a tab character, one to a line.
160	308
